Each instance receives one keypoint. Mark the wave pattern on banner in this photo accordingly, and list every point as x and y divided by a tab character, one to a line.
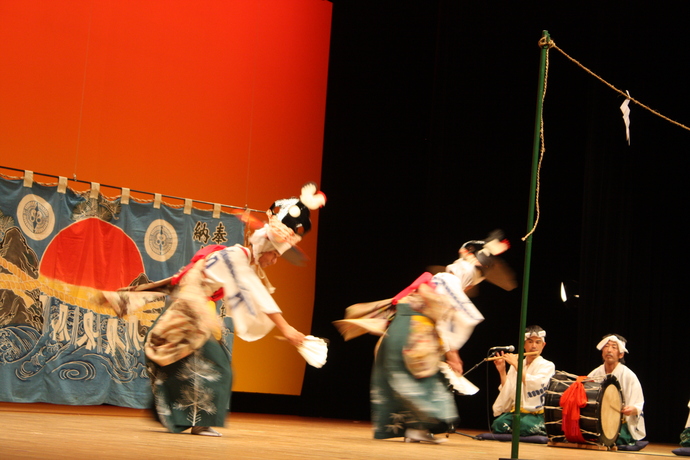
58	249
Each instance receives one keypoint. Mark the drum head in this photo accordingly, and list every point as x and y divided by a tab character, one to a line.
611	402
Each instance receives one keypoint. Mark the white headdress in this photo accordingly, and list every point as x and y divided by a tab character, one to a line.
288	221
621	345
294	212
483	255
541	334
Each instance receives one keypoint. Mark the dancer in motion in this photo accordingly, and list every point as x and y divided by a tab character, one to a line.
188	361
423	326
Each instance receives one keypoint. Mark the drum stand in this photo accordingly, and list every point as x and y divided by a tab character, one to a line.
574	445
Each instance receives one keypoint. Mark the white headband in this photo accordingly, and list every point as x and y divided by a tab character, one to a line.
605	340
541	334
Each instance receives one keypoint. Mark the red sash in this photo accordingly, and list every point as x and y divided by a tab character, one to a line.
200	254
572	400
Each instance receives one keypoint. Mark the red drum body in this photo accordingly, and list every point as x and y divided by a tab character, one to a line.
600	419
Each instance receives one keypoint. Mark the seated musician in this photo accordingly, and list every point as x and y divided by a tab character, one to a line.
613	348
536	373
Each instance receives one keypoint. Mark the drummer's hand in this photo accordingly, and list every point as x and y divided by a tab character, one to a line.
629	410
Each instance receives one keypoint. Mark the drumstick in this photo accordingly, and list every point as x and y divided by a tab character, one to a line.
494	358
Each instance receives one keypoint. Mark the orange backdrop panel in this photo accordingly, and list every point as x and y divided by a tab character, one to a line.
214	101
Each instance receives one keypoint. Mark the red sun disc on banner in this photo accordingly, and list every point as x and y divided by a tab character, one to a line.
92	253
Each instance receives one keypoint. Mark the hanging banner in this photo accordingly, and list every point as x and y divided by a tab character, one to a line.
58	249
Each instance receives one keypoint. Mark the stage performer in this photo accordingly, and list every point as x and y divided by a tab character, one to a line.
188	362
422	329
613	348
536	374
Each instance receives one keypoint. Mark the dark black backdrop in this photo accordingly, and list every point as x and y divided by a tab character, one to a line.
428	143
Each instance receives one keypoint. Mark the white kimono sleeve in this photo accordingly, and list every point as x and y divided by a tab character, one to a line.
537	378
248	301
456	329
506	396
632	392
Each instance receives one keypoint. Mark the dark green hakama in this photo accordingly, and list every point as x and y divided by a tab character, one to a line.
398	399
685	438
194	391
530	424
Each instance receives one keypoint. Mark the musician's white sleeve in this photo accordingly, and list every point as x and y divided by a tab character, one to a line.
632	393
246	298
506	396
537	377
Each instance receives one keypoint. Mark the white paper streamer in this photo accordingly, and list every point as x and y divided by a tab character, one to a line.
626	116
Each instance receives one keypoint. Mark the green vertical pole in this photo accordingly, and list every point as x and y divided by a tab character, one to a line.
528	245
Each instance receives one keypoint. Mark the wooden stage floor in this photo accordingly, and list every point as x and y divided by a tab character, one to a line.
44	431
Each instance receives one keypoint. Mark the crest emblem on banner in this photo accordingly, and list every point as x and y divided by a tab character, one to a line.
36	217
